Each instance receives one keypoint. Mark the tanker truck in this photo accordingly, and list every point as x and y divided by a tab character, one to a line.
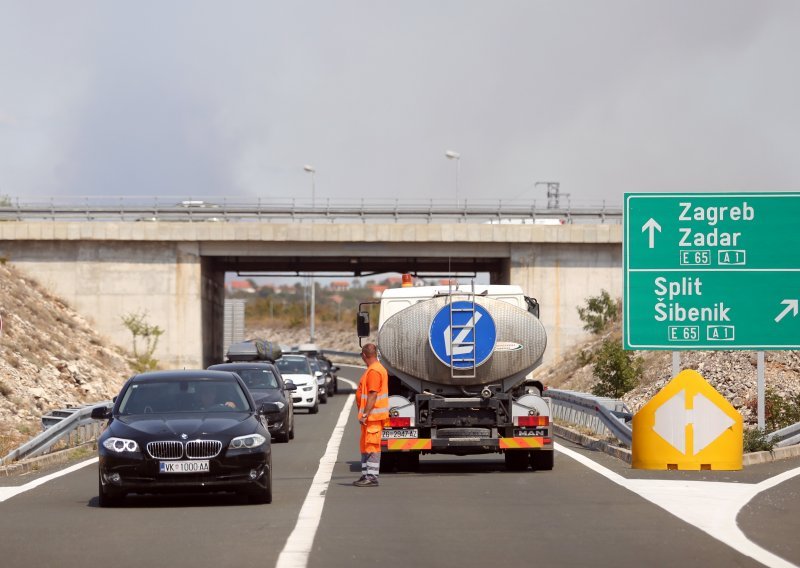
459	359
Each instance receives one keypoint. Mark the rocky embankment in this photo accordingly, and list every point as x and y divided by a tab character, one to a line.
49	358
731	373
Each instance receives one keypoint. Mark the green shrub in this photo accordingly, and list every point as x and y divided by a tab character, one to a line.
139	328
779	412
599	312
756	440
617	371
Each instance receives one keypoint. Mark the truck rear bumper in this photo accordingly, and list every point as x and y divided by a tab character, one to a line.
466	445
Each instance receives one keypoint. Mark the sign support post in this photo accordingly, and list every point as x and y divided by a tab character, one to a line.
762	424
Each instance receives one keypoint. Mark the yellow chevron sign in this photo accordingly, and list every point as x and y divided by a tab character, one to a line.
687	425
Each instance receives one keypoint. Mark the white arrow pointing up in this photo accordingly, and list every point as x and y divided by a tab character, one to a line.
652	226
791	306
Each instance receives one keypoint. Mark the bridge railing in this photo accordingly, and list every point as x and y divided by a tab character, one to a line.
210	209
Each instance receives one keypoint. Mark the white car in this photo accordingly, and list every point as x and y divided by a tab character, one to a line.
295	369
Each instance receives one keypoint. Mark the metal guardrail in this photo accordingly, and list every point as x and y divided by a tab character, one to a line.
788	436
77	423
601	415
166	208
342	353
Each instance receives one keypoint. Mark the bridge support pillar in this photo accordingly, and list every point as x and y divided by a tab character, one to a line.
558	274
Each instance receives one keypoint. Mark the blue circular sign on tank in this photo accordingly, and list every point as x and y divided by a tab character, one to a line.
462	335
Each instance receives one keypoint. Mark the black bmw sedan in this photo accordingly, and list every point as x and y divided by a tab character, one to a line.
185	431
265	383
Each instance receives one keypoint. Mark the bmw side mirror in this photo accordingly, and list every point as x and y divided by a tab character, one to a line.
267	408
335	369
101	413
291	387
318	374
362	324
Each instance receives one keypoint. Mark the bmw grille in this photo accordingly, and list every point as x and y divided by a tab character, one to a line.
195	449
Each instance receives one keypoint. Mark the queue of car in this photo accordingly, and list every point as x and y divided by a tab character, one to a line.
209	430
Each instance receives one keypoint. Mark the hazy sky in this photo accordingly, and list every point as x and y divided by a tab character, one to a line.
197	98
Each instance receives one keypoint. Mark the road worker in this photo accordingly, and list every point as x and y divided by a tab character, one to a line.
372	402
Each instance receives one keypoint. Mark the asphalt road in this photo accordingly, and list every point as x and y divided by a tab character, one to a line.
459	512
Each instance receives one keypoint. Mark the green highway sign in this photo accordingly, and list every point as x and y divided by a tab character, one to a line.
711	271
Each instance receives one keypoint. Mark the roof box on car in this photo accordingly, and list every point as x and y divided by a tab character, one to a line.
254	350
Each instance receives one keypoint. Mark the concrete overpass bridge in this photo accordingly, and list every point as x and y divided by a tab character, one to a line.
175	270
168	256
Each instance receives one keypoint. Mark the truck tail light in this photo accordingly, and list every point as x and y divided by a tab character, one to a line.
400	422
533	420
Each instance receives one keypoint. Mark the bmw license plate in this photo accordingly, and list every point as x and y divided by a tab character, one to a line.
192	466
530	432
401	433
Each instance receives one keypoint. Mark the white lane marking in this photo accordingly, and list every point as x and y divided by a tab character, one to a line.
298	546
9	492
710	506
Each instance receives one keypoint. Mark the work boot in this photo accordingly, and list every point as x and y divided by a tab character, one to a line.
366	481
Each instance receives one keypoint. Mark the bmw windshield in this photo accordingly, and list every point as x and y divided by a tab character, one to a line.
201	395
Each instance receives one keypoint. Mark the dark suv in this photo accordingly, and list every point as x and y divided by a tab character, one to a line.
265	383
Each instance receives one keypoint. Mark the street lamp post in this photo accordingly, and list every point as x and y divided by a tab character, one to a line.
313	312
312	171
451	155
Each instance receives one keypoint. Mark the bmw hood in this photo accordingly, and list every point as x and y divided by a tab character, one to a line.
192	425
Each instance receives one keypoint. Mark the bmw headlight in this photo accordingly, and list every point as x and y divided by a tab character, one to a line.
308	389
280	404
120	445
249	441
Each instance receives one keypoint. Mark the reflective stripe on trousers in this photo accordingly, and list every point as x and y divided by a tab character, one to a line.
371	463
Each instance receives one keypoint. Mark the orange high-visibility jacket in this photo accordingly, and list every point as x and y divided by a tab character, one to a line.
375	378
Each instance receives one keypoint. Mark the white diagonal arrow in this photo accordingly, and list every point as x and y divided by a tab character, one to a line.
652	226
462	335
791	306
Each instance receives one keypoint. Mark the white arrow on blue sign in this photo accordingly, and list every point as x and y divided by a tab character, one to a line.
472	338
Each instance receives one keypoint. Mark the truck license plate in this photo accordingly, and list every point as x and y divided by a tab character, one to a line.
529	432
193	466
401	433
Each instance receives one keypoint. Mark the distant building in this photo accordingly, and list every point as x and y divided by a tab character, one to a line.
241	286
339	285
377	290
